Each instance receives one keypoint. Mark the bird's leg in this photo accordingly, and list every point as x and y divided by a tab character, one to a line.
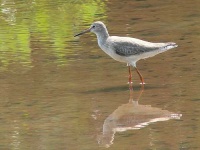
141	78
130	74
130	77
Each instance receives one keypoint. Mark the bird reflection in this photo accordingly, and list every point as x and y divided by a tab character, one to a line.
132	116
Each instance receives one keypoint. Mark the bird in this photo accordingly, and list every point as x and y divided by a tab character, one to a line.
126	49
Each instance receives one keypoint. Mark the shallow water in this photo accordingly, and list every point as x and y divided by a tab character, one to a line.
61	92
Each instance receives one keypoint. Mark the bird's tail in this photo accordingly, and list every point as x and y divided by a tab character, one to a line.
163	47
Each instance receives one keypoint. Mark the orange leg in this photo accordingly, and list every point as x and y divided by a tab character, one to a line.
130	78
141	78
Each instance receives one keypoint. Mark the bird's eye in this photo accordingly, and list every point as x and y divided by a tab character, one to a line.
93	26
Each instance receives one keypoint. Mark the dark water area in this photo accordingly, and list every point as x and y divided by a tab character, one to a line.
62	92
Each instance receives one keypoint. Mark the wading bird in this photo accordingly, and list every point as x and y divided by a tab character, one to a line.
126	49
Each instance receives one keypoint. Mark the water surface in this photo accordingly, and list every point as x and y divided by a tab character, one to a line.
61	92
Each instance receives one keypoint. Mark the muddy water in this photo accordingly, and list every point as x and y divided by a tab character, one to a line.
61	92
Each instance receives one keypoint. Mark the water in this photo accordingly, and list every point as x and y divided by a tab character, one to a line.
59	92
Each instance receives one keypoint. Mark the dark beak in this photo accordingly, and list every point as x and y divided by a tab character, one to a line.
85	31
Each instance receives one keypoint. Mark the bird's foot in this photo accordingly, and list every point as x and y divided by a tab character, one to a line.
129	82
143	83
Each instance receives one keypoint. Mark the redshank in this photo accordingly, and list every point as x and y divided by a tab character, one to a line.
126	49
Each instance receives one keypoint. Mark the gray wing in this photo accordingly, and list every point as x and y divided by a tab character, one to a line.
128	49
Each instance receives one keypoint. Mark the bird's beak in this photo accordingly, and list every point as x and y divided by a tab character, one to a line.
85	31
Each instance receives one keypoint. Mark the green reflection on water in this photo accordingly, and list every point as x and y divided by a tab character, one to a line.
42	25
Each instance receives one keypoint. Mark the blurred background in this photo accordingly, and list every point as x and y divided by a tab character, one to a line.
61	92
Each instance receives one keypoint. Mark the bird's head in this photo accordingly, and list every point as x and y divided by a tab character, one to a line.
97	27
